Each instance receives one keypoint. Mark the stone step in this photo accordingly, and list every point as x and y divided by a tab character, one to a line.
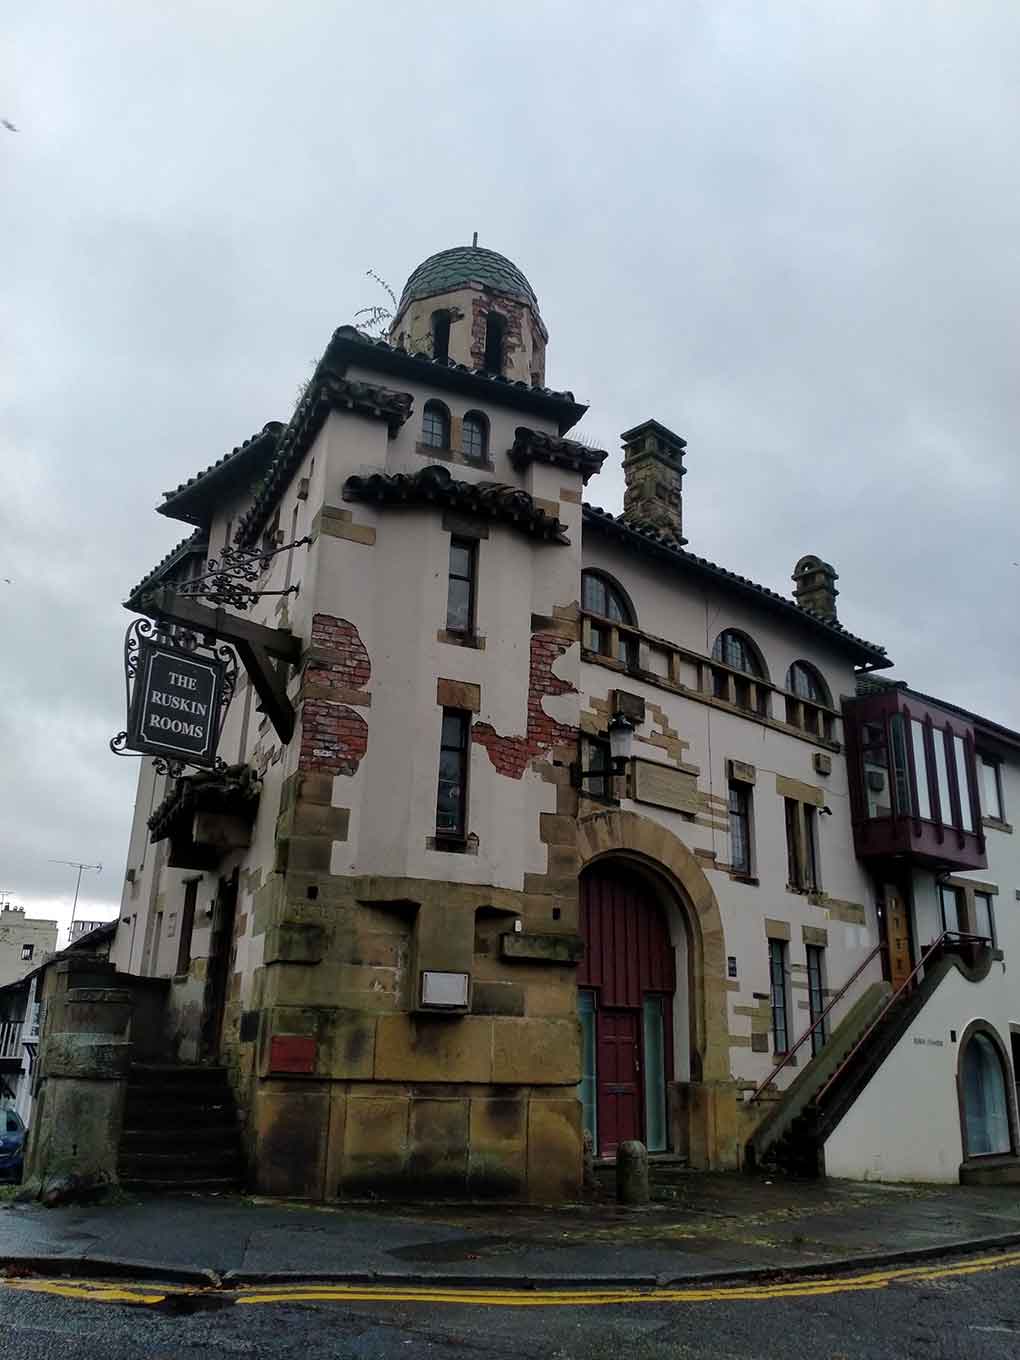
169	1139
199	1185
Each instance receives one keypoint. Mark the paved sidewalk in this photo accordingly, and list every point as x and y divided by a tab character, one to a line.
719	1225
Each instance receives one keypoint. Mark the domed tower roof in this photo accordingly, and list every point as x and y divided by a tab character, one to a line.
461	266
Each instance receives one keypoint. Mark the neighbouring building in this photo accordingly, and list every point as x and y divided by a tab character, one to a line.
444	930
25	941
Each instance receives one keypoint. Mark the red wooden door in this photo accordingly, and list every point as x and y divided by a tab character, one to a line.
619	1079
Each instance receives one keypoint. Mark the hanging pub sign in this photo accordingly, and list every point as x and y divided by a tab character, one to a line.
177	692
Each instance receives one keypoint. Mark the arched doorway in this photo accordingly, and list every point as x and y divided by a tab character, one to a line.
985	1105
626	987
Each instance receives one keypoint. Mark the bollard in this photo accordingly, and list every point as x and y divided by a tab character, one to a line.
632	1173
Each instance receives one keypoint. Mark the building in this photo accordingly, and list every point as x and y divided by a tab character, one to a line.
24	943
449	925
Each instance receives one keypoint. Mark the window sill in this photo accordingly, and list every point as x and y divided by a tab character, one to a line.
474	640
455	456
995	824
452	845
739	877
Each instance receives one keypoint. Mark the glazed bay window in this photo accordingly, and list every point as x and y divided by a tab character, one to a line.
984	917
801	846
740	827
451	800
778	996
460	595
951	906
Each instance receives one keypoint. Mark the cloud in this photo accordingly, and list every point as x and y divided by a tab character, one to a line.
787	232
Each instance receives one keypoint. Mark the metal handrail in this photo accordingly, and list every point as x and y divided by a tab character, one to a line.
820	1020
908	982
10	1038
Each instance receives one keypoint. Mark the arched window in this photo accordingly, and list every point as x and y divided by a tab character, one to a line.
737	651
435	426
984	1098
808	687
602	596
474	436
495	331
803	680
441	335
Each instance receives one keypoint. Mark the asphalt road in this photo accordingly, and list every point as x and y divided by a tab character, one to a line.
950	1309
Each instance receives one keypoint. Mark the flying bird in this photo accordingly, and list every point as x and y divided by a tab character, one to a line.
8	125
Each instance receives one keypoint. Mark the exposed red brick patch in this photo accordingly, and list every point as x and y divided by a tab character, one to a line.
334	738
510	755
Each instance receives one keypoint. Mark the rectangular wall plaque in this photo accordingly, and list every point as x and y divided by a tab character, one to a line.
666	787
448	991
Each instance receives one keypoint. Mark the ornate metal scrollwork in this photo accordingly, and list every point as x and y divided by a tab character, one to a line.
231	579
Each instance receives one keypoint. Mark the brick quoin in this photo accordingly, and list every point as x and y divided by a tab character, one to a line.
334	738
511	755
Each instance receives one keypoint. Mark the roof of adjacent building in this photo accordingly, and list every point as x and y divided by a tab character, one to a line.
196	543
462	266
195	500
651	543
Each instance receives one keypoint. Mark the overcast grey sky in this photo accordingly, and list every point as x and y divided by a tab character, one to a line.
787	230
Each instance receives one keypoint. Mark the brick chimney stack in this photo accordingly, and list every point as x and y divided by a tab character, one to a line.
653	468
815	587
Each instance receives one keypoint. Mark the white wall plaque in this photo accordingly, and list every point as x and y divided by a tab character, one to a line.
444	989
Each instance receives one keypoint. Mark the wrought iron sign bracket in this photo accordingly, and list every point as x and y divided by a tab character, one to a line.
264	652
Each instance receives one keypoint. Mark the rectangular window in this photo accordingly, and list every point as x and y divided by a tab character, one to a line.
27	950
187	926
920	769
963	783
991	789
816	995
950	900
460	597
794	860
942	778
597	758
984	919
812	878
451	802
740	828
901	775
777	988
802	845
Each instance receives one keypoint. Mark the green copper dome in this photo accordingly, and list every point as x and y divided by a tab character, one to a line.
463	265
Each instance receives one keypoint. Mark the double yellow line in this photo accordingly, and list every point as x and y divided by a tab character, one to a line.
490	1296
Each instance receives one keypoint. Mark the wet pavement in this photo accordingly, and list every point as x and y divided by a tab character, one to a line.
717	1224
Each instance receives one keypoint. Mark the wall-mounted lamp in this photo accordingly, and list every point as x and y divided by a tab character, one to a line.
621	746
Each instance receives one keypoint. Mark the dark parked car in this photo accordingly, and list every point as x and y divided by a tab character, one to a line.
12	1145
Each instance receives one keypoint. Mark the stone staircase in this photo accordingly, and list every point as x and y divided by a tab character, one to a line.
180	1130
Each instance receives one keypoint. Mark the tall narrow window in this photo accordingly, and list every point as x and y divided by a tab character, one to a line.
598	761
816	995
27	950
474	436
950	901
794	857
991	789
588	1090
777	988
451	801
984	920
435	426
495	331
901	774
187	925
440	335
920	768
740	828
942	778
460	595
812	878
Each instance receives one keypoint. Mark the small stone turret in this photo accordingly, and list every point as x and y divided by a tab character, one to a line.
815	586
653	468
